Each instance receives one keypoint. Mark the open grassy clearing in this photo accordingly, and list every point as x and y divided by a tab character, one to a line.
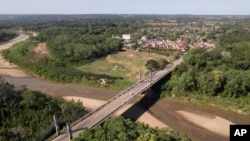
102	66
124	64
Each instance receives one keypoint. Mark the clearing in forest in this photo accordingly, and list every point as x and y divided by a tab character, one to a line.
124	64
41	50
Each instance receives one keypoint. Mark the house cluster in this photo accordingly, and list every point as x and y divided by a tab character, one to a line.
208	44
145	42
180	44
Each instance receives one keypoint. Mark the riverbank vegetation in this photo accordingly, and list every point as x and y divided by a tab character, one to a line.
219	77
28	115
125	130
7	34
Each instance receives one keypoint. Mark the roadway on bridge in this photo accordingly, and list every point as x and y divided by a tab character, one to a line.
117	102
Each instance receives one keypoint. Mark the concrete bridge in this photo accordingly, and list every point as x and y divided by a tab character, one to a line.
102	113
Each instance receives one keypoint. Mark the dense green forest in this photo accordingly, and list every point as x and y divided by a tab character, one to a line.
77	45
221	75
120	129
7	34
28	115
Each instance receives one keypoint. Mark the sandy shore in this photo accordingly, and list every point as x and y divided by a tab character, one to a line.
212	123
10	43
10	69
146	117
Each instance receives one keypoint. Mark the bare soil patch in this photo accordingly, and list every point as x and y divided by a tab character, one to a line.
41	49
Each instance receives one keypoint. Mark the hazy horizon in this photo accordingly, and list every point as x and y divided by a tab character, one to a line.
138	7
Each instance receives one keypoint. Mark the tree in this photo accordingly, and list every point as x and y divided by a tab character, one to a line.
147	137
186	82
237	84
162	63
209	83
151	65
120	129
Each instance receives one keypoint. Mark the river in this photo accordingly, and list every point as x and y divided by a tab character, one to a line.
177	115
59	89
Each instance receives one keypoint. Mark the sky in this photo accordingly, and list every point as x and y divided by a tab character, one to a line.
195	7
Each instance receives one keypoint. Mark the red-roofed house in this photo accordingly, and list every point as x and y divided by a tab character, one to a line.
182	47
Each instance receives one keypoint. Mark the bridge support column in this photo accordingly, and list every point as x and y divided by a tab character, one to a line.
56	124
150	77
69	131
149	93
140	77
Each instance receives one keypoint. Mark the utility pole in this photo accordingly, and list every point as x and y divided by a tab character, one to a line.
140	76
56	124
69	131
150	77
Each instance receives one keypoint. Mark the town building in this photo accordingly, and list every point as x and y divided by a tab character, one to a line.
126	36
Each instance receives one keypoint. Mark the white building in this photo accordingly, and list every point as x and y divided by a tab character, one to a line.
126	36
144	38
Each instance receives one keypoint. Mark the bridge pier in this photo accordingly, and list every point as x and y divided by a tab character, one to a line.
149	93
69	131
56	124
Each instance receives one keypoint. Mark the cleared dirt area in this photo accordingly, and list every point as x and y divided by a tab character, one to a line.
41	49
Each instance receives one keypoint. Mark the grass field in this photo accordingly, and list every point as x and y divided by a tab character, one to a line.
124	64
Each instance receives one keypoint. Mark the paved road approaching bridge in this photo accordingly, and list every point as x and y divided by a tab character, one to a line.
114	104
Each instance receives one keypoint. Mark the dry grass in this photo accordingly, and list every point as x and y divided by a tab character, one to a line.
124	64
